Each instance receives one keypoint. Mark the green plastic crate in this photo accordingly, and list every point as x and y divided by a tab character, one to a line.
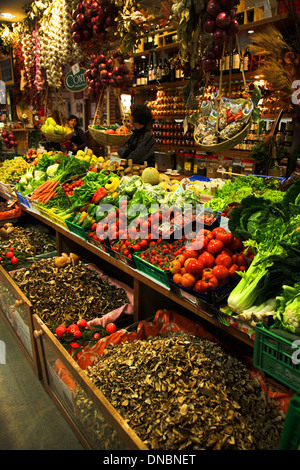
273	353
290	439
152	271
76	229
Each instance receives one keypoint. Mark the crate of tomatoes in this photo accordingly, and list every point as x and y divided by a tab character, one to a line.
207	270
156	259
74	182
124	249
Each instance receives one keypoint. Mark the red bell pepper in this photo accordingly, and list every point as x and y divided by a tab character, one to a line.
99	194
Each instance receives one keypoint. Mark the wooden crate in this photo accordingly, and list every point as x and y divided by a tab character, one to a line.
16	311
94	420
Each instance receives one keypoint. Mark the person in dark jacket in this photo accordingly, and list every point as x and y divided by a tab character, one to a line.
79	139
140	146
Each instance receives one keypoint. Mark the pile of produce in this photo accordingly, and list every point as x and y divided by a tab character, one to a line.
62	290
93	20
106	71
29	240
178	392
51	127
9	139
213	258
222	24
19	245
77	336
11	170
272	232
240	188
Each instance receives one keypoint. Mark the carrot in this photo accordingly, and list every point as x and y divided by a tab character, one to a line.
42	187
48	196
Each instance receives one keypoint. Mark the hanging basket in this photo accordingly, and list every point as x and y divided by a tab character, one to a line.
226	144
58	137
100	136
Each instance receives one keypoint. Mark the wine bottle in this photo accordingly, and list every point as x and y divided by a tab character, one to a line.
165	71
172	69
135	73
247	61
235	61
139	75
150	72
159	71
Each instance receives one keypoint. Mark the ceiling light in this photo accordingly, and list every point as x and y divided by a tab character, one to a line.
7	15
257	77
250	31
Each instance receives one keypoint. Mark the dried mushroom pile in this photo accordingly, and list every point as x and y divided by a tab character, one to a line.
182	392
65	294
29	240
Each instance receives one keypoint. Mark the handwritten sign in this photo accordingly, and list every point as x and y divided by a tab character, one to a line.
6	71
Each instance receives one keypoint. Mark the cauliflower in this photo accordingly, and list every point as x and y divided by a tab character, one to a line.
287	309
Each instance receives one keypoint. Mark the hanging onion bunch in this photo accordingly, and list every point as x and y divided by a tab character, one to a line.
94	21
56	46
106	71
220	23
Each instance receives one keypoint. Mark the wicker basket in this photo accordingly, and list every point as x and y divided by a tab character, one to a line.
58	137
102	138
226	144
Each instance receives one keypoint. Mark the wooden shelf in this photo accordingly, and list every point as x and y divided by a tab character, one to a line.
158	86
141	281
168	47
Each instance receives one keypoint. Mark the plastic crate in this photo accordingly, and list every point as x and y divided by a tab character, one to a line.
274	354
152	271
23	200
129	261
214	298
290	438
103	246
76	229
53	217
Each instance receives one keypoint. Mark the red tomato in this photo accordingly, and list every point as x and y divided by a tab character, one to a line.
204	236
82	323
181	259
194	266
177	278
190	254
233	269
241	260
221	272
224	260
215	246
203	284
175	266
207	259
236	244
188	280
110	328
216	230
225	237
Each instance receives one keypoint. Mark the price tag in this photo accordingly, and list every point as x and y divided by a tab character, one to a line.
75	69
179	190
115	160
70	153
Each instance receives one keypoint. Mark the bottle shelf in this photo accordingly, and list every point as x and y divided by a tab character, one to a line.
157	86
